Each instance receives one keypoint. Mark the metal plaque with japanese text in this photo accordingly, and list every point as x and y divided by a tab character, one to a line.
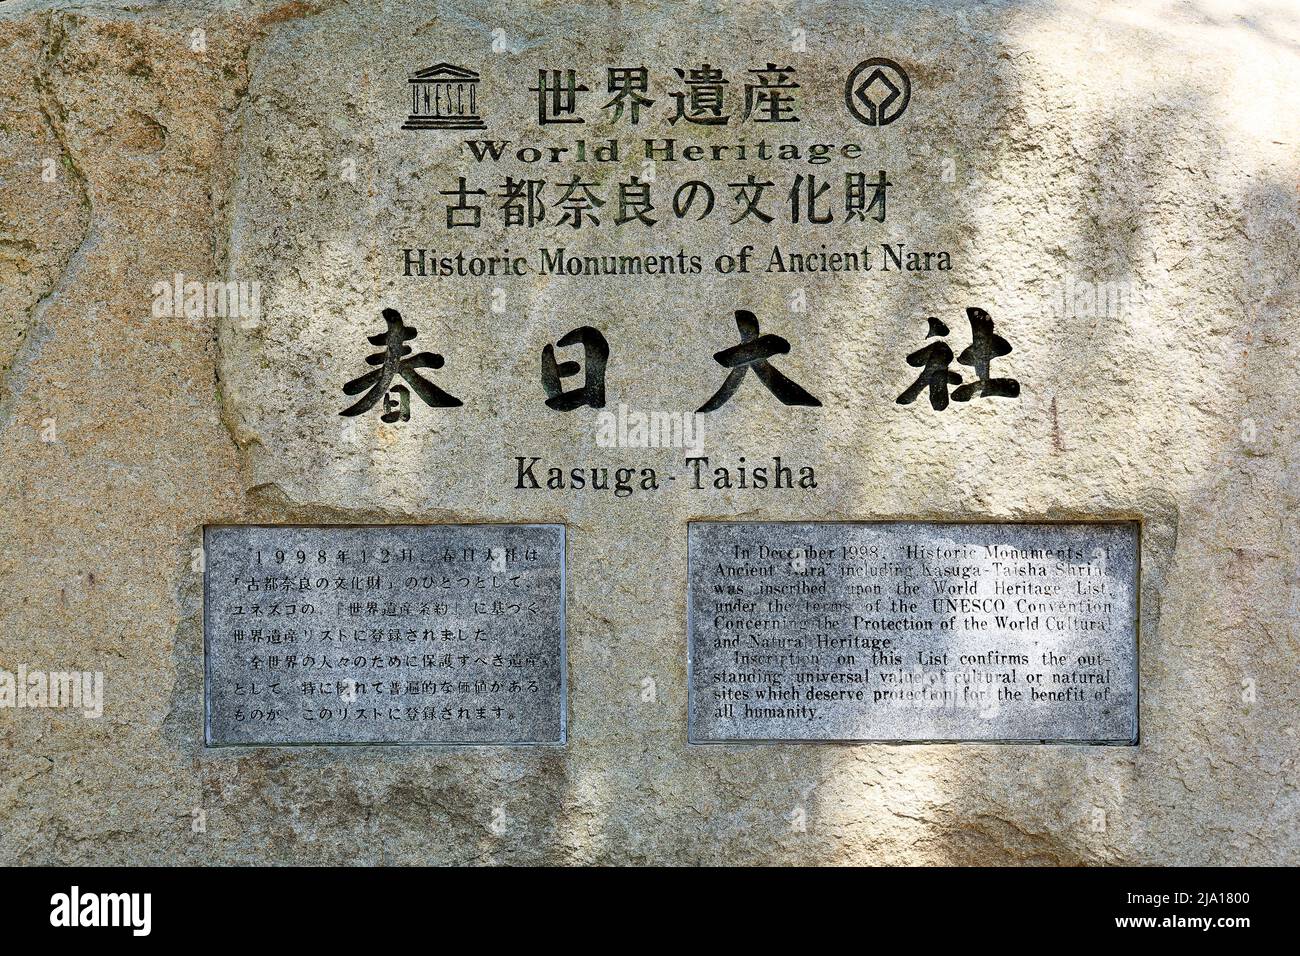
404	634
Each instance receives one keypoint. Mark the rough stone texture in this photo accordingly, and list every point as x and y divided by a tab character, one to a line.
1153	144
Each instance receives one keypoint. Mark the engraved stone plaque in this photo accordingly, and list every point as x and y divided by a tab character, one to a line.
913	631
402	634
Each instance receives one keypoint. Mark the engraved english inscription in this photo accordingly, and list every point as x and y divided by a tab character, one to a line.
913	631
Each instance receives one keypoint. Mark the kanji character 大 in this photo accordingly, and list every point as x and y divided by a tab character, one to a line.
753	352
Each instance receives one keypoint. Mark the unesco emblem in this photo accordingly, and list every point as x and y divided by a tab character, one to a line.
877	91
444	97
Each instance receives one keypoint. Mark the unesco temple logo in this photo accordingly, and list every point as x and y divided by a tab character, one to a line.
877	91
444	96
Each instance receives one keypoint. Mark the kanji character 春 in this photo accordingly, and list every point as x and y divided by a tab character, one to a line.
595	355
753	352
393	361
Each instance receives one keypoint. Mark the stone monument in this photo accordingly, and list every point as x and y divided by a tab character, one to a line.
668	432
